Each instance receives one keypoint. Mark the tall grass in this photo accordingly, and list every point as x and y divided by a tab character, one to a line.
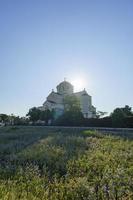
57	164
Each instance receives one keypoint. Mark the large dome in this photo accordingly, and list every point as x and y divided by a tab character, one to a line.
65	88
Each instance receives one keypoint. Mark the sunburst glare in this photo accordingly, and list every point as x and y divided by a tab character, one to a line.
79	84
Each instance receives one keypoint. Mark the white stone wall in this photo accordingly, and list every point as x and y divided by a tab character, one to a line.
85	103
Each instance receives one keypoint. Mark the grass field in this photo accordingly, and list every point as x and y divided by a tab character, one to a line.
38	163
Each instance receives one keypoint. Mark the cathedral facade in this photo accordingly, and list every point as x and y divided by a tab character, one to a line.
54	101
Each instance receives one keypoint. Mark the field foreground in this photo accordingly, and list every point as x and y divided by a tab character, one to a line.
38	163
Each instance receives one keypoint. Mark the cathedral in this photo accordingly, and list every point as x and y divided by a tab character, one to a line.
54	100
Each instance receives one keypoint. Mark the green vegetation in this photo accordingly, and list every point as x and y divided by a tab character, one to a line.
72	115
122	116
38	163
36	114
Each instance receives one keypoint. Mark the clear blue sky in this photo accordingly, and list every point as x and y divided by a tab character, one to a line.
43	41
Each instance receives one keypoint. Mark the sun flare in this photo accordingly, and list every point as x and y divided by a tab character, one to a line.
79	84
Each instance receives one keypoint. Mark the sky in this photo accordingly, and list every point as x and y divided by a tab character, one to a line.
43	41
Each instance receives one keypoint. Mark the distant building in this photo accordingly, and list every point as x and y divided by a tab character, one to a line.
55	100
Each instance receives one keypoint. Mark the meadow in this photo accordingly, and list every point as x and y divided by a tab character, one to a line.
38	163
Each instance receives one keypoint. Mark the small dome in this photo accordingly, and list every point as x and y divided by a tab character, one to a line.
65	88
64	83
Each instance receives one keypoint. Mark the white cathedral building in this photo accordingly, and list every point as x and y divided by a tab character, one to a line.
54	100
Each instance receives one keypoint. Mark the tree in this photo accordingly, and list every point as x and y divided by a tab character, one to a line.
20	120
71	103
34	114
46	115
4	118
119	114
122	112
100	114
72	115
127	111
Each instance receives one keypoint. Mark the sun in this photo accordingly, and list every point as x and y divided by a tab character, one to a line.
79	84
